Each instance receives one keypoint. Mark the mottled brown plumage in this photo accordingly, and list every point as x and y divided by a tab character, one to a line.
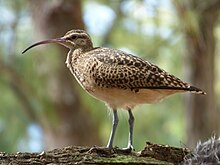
120	79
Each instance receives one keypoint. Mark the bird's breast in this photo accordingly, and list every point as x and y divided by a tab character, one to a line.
83	69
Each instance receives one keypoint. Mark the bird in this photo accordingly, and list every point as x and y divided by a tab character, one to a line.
118	78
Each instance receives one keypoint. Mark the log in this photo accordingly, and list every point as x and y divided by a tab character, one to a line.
151	154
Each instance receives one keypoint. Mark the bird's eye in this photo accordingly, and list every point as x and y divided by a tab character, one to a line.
73	37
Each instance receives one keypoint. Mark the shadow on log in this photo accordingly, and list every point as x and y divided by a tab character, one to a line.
151	154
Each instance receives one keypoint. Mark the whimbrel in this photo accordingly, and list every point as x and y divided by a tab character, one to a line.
120	79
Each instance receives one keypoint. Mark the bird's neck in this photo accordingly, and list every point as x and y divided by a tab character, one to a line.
85	48
73	55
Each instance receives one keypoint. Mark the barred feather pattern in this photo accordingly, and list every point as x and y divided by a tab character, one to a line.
111	68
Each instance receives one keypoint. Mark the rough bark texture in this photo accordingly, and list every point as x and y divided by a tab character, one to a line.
198	21
152	154
53	19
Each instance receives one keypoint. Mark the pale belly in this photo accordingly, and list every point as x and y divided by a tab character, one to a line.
120	98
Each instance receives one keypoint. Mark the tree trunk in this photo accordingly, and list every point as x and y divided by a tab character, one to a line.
53	19
198	21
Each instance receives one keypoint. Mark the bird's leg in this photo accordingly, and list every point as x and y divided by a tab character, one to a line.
114	126
131	126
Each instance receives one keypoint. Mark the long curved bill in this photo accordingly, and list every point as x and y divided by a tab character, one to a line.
58	40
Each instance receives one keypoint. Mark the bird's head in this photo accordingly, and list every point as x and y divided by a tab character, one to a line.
73	39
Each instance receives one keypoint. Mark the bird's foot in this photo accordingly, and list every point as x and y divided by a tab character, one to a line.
129	148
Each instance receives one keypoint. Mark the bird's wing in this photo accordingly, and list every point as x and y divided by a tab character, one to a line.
122	70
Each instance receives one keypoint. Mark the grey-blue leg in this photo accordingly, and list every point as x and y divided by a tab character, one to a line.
131	126
114	126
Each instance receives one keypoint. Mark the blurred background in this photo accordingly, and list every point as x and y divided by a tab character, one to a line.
43	107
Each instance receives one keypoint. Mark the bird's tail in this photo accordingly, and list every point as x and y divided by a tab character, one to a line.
196	90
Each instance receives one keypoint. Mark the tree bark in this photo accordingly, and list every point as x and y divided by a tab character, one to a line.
198	21
151	154
53	19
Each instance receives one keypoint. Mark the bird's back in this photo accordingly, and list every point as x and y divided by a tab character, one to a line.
117	69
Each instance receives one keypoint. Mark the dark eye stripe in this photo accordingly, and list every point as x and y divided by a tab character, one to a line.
73	37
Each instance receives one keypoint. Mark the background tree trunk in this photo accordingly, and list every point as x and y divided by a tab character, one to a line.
52	20
198	24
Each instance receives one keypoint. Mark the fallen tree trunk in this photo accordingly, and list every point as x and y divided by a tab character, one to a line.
151	154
